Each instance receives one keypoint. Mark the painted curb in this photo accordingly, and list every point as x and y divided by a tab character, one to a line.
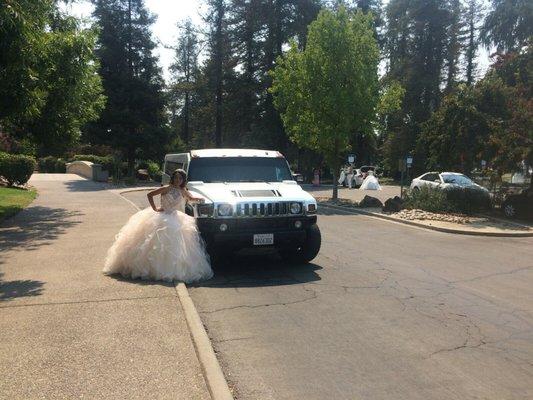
429	227
214	377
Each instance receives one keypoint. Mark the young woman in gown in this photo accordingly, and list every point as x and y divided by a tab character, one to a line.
161	243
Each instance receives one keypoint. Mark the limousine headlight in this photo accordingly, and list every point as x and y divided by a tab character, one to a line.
296	208
225	210
205	210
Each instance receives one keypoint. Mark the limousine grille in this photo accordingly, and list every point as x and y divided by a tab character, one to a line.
252	209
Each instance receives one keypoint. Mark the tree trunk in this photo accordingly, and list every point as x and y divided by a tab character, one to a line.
131	162
218	76
335	171
185	134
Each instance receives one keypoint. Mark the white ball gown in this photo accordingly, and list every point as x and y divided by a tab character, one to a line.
370	183
160	245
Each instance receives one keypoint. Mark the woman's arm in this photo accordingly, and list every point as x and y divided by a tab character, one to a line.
161	190
190	197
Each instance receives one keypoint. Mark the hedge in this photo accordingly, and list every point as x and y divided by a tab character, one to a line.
16	169
428	199
52	165
452	199
106	161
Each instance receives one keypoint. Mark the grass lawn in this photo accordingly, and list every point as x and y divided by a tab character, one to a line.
12	200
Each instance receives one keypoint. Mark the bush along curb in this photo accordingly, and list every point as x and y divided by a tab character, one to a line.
429	227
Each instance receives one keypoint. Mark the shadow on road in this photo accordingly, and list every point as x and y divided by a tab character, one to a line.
260	270
83	185
10	290
35	227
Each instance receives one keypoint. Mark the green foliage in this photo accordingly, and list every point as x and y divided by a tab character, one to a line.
489	121
508	25
508	92
16	169
73	86
424	40
467	200
329	90
154	171
106	161
455	136
133	120
52	164
454	199
428	199
22	47
56	89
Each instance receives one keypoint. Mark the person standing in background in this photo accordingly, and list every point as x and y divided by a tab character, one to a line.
349	176
316	177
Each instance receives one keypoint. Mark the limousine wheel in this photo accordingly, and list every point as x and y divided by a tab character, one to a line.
309	250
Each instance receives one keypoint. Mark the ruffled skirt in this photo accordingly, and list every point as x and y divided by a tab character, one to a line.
159	246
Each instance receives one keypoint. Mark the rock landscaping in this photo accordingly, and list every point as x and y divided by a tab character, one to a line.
421	215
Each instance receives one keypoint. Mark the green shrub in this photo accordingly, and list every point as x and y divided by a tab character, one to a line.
428	199
47	164
452	199
106	161
141	164
51	164
16	169
154	171
467	200
60	166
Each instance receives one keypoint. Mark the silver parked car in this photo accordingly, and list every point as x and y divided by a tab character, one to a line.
445	180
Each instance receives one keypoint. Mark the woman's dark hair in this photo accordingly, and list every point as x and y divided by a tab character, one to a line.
183	175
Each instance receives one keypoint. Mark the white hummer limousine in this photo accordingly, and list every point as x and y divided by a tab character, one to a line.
251	200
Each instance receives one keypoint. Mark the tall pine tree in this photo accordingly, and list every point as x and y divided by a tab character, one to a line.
184	71
133	120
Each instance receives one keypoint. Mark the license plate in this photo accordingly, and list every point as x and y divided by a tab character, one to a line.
262	239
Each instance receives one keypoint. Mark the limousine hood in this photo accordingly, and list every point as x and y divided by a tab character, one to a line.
234	192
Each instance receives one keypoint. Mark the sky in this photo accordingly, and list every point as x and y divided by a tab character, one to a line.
169	12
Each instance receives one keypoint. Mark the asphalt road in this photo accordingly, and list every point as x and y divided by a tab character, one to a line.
385	311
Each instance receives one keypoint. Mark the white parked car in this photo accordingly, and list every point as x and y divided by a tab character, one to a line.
251	200
444	180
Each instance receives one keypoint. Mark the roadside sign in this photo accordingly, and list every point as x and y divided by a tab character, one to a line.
351	158
409	161
483	164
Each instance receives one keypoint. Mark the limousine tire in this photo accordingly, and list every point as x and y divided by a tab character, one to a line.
307	251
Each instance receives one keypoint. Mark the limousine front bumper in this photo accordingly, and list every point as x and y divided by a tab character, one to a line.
236	233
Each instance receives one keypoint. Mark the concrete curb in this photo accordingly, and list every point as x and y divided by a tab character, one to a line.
429	227
214	377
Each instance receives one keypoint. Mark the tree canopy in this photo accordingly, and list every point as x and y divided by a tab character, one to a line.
329	90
